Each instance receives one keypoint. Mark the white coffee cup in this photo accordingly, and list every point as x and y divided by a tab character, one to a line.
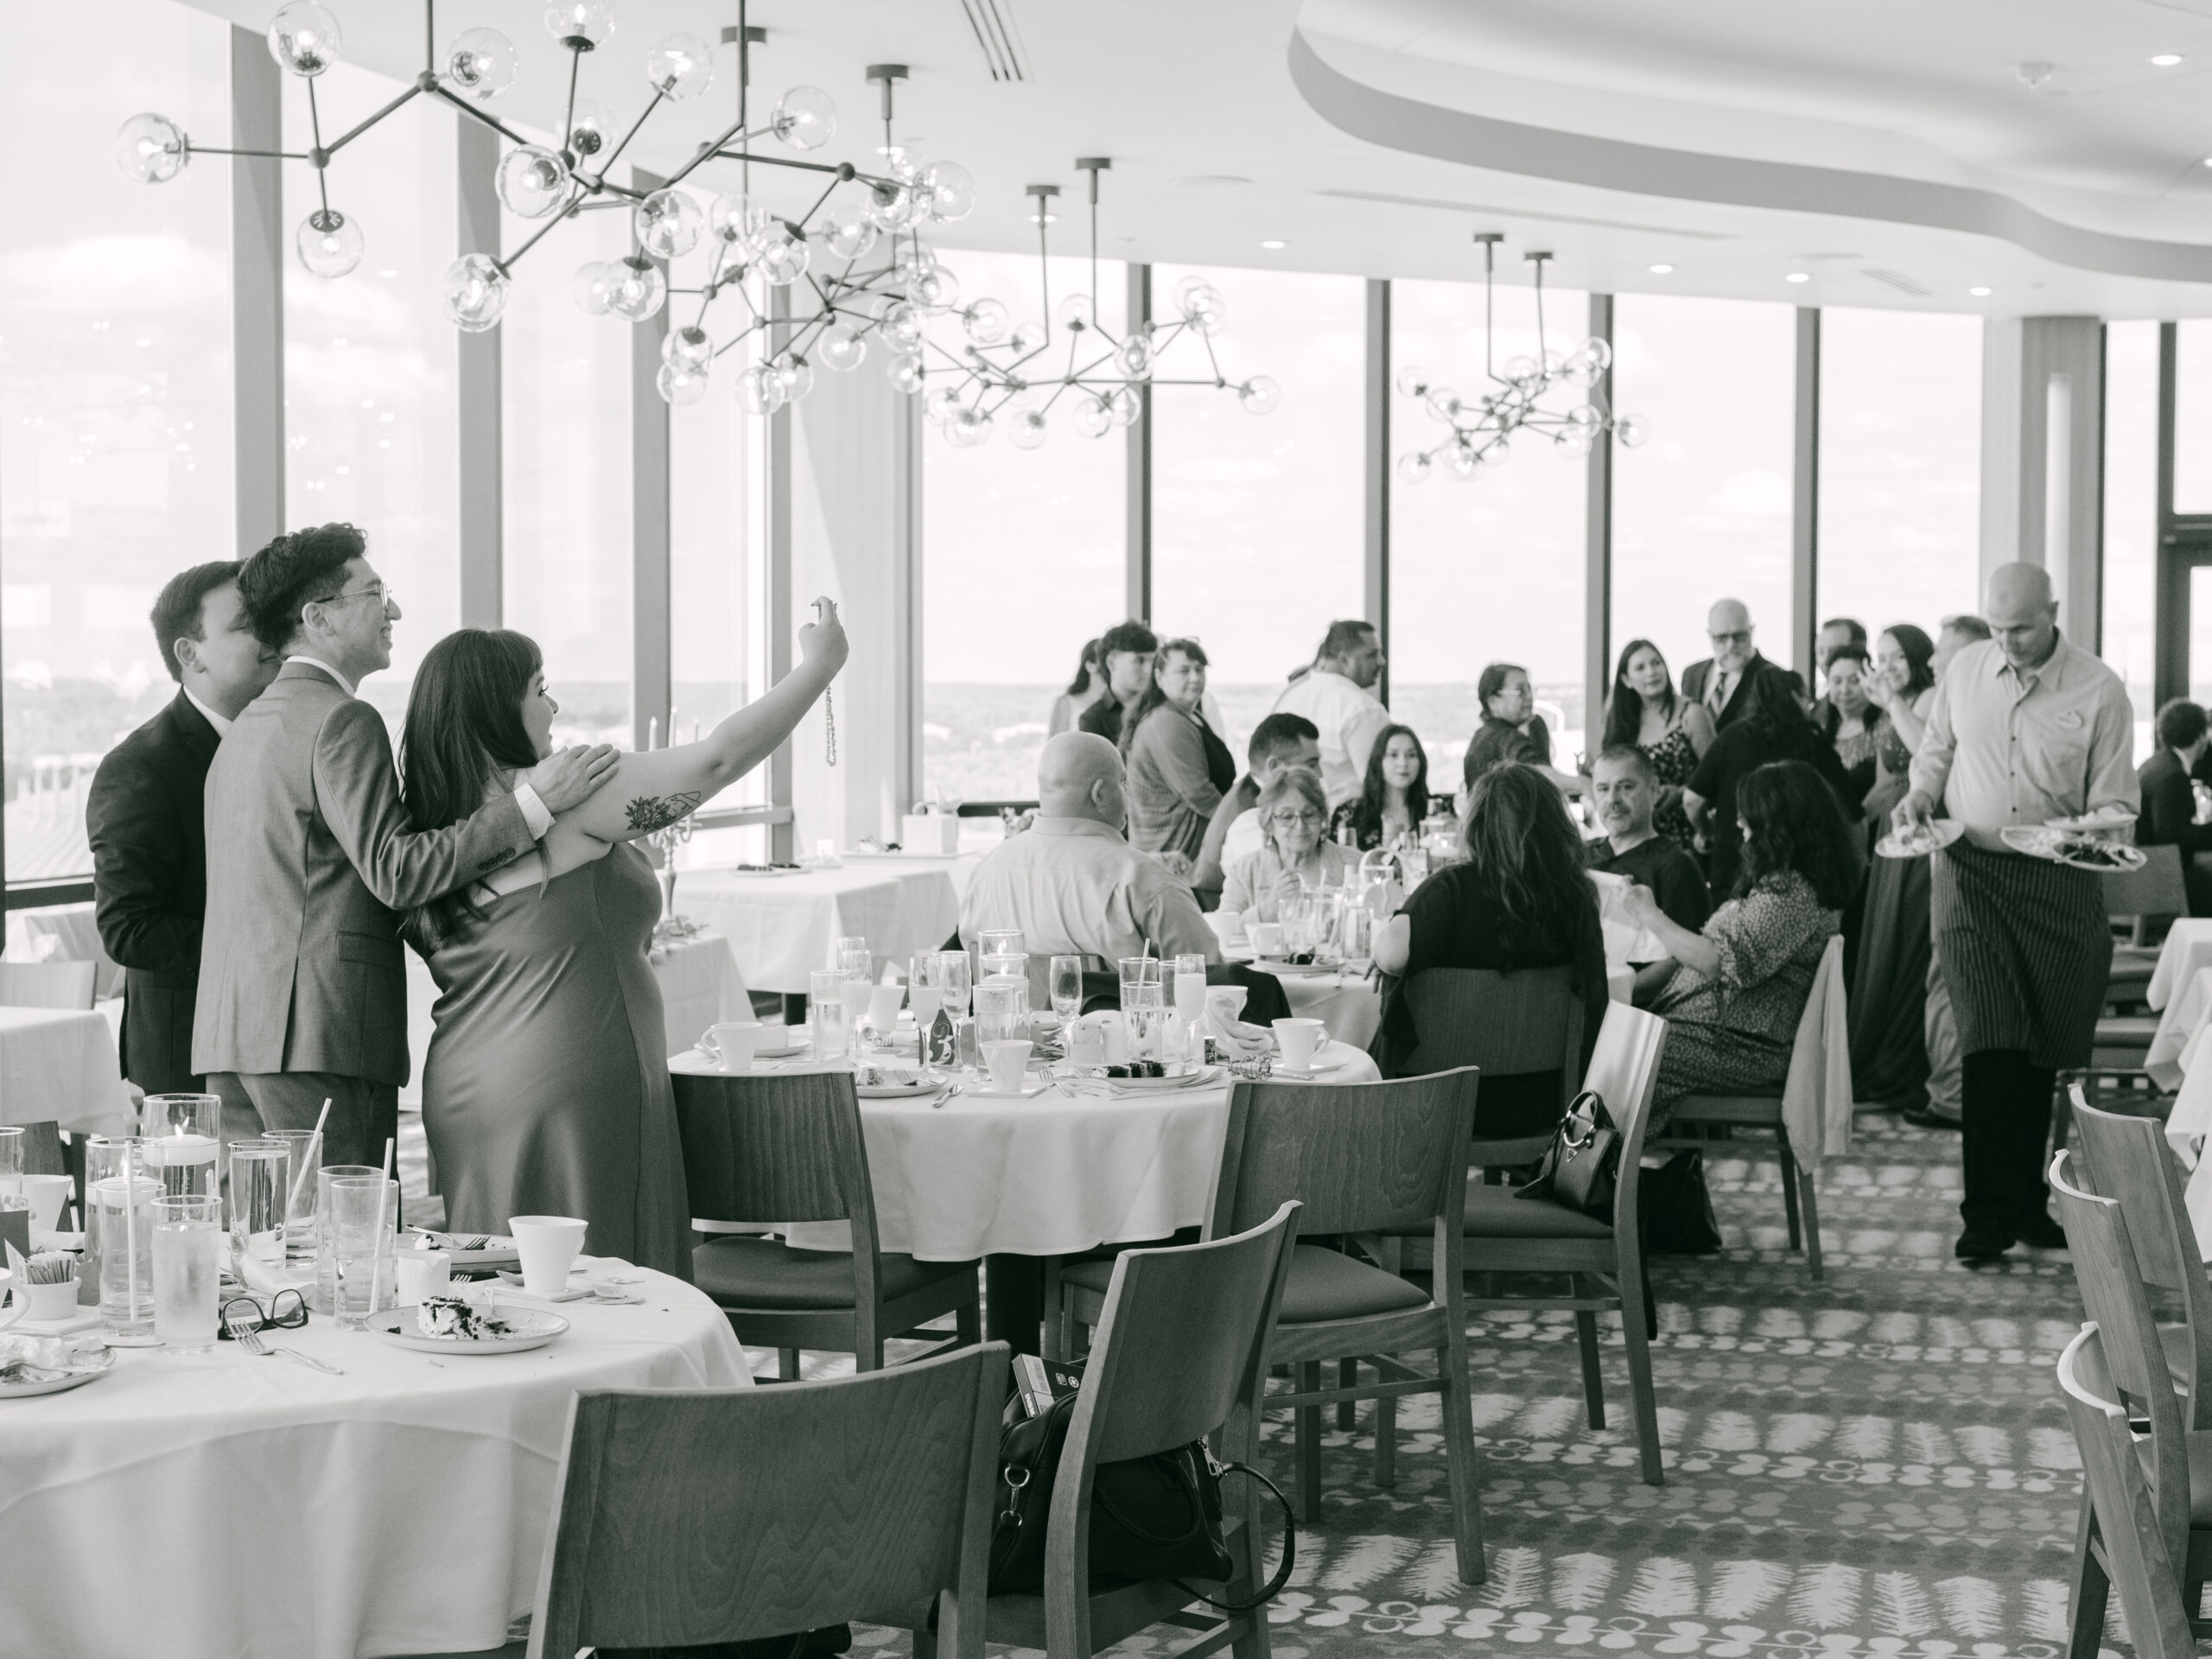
732	1044
423	1275
1300	1040
1267	938
1228	927
48	1193
547	1246
1008	1061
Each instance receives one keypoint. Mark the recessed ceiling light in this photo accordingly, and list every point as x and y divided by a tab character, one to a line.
1799	277
2167	60
1274	242
1663	270
1978	293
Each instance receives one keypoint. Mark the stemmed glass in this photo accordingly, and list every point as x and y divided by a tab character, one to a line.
955	973
1066	984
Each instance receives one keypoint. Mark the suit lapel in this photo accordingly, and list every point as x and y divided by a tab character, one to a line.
199	737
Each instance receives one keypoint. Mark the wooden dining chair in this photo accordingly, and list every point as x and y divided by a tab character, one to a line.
687	1517
2127	1160
2122	1545
788	1149
1364	1159
1181	1354
47	984
2113	1295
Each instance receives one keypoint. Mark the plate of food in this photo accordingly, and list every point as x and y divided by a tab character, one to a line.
2073	848
883	1082
1295	967
2109	824
1920	840
1150	1076
36	1365
443	1325
471	1252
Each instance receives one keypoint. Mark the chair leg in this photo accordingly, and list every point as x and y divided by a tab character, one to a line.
1809	1202
1309	1444
968	1323
924	1643
1643	1400
2062	1126
2087	1592
1386	1441
787	1365
1459	1461
1593	1375
1790	1194
1242	1436
1056	1313
1347	1410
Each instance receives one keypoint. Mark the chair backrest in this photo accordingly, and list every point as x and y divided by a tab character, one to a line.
2137	1557
1360	1157
687	1517
775	1149
44	1153
1508	1024
2156	889
1181	1345
47	984
75	931
1624	1073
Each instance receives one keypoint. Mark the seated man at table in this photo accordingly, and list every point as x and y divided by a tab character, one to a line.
1071	882
1626	790
2169	815
1279	742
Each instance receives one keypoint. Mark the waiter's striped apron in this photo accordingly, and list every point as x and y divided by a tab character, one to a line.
2026	949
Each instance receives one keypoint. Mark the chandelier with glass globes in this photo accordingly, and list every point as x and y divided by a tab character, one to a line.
1482	428
995	371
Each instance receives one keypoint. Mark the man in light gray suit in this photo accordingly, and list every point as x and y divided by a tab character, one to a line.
303	985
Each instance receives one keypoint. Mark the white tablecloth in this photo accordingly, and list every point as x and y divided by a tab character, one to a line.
61	1064
2181	1023
1048	1176
783	927
217	1504
2188	948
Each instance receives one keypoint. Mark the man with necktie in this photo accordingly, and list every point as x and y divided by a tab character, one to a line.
1718	681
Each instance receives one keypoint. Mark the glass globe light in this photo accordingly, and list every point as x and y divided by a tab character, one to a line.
151	149
1028	429
737	220
328	243
586	129
1575	443
1599	353
906	372
841	347
1578	370
680	386
806	118
952	191
588	21
969	428
1584	416
639	289
1412	382
305	38
783	258
985	321
670	223
1496	452
1260	395
1123	406
760	391
902	326
847	233
797	377
1631	430
680	67
1077	312
593	286
1520	370
475	292
1463	460
1444	402
1204	309
940	405
892	206
1413	467
936	289
1185	288
1028	338
1092	418
482	62
532	181
1554	362
1135	356
690	348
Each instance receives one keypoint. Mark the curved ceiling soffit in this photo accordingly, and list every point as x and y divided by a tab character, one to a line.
1449	135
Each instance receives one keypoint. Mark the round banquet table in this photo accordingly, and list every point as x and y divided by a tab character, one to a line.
220	1504
1047	1176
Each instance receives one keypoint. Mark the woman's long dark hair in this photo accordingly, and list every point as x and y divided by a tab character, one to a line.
1367	812
1525	850
1154	696
1624	707
1085	666
1792	821
464	725
1770	707
1919	656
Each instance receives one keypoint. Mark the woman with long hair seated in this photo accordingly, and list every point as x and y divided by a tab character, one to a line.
1645	712
1293	854
1733	992
546	1092
1519	898
1392	802
1178	768
1773	725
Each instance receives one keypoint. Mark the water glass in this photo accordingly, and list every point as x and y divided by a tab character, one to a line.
183	1135
1066	987
954	974
1359	933
854	956
261	1172
826	1011
363	1219
999	942
12	1160
1145	1008
1138	970
187	1264
325	1254
305	1147
125	1207
1011	968
855	993
998	1011
1191	991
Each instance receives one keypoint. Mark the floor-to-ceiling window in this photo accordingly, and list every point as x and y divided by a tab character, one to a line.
115	393
1256	526
1486	566
1701	512
1900	474
2131	515
1024	549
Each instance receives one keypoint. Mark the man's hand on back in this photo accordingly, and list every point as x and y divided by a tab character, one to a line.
572	777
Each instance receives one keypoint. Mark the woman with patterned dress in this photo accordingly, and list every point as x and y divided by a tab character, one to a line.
1851	717
1645	712
1732	992
546	1091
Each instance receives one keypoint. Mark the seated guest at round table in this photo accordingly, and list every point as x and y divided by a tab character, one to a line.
1770	725
1848	718
1394	798
1512	730
1279	742
1625	788
1294	856
1178	769
1517	898
2169	815
1734	990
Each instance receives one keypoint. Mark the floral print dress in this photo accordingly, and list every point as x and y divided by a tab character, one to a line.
1673	757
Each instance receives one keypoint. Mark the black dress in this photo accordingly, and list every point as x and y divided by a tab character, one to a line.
1739	751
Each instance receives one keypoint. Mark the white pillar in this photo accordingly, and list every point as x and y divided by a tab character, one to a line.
2041	458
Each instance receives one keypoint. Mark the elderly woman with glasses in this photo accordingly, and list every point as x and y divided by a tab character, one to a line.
1293	855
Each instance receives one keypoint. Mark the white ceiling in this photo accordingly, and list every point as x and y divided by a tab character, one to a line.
1883	147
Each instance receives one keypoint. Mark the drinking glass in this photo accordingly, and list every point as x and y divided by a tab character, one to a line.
183	1135
854	993
12	1160
261	1182
1138	970
826	1011
1296	916
925	992
1145	1010
1191	990
954	974
1066	984
1009	968
363	1219
853	956
187	1264
999	942
326	1251
998	1010
1358	938
124	1206
305	1146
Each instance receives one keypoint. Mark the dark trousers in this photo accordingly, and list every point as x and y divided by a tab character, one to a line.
2005	1101
363	1115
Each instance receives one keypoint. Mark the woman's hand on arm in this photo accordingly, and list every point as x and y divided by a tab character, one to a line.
1641	906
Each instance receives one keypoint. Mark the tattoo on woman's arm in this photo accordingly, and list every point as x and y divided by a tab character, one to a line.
651	812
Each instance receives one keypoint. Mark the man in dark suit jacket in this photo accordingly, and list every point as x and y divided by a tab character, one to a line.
145	822
2169	815
1718	681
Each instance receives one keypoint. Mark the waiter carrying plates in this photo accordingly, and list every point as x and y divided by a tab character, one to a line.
2026	728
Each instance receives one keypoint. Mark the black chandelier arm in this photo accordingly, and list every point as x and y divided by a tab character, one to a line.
844	170
318	154
348	136
576	46
506	264
191	149
659	94
479	116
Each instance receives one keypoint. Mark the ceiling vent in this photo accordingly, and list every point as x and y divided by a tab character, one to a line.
997	38
1898	280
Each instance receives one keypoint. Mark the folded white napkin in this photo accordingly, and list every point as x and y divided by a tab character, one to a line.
264	1279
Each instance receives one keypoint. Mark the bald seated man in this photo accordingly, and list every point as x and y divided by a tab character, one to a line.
1718	681
1072	883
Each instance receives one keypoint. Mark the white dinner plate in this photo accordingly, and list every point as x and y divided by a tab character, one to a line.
91	1368
991	1092
533	1329
905	1088
2100	824
498	1251
1941	833
2066	847
1295	969
1198	1078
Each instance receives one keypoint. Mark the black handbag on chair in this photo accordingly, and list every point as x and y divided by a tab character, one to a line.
1581	1168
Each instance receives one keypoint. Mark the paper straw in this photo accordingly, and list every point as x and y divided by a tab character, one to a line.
375	1238
130	1236
300	1175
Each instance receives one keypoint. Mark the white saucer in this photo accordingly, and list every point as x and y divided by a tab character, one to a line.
991	1093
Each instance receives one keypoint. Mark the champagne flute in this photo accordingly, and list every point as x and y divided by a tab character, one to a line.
1066	982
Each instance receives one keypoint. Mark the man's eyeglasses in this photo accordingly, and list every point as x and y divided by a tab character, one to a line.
1738	637
286	1311
1293	820
376	590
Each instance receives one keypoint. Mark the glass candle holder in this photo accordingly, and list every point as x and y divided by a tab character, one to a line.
183	1134
826	1012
